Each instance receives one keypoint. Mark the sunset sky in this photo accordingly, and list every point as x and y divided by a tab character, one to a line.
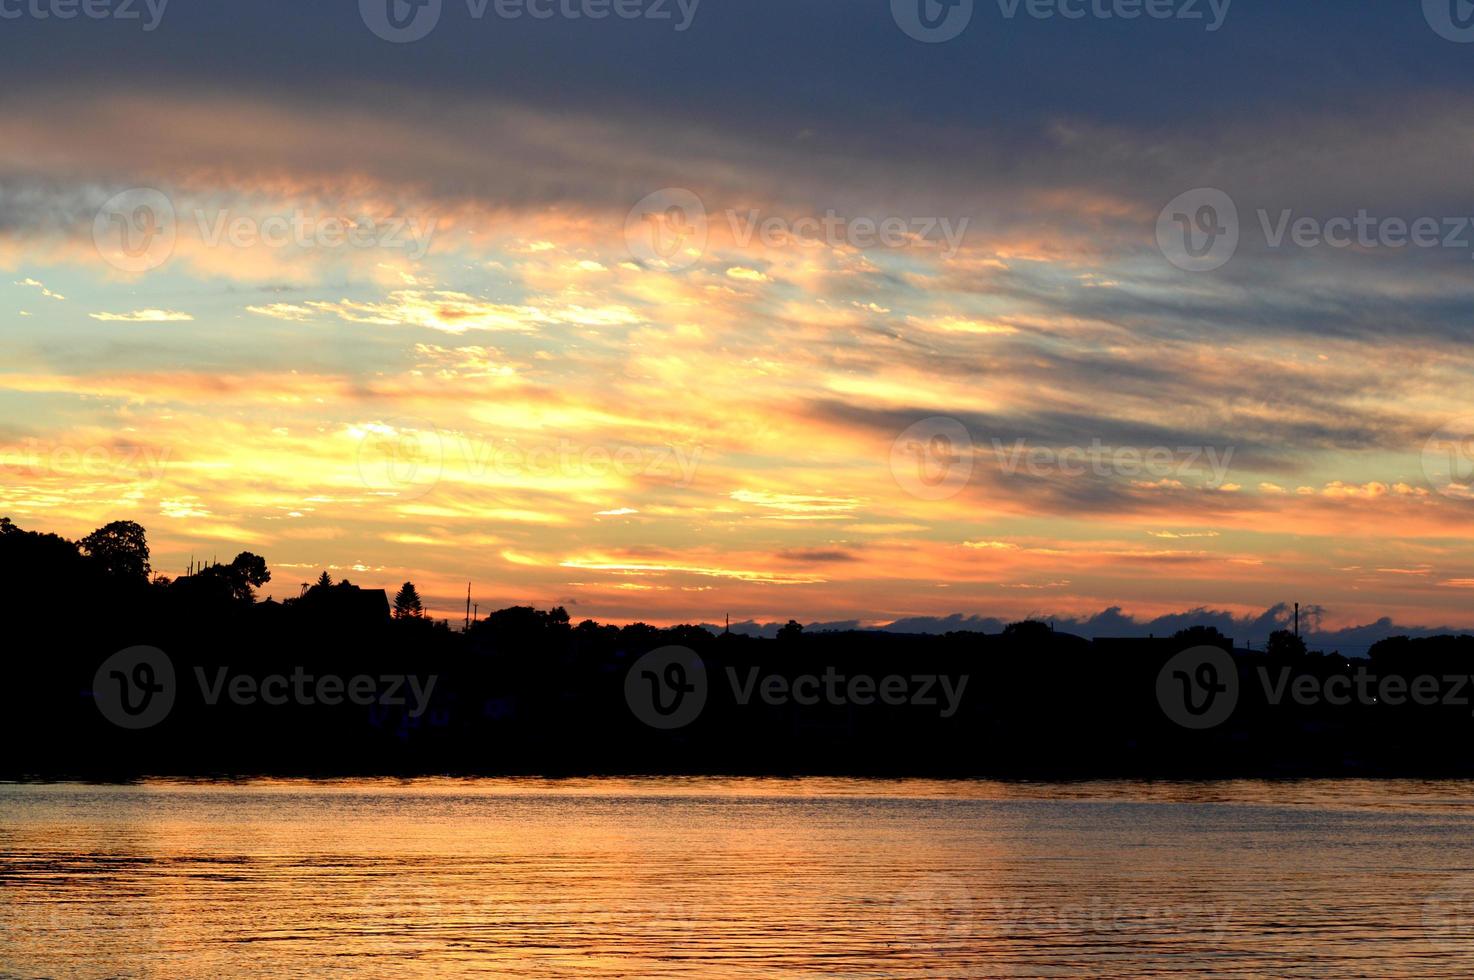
515	389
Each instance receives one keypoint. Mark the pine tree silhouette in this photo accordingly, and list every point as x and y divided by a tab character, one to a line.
407	602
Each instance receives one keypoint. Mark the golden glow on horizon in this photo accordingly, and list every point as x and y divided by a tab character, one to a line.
527	406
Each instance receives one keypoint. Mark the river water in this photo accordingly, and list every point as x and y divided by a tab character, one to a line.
749	878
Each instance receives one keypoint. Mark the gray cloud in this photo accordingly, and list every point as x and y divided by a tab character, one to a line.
1246	631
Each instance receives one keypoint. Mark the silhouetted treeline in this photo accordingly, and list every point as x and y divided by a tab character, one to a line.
529	691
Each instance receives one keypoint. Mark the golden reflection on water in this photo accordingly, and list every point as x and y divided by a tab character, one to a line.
737	878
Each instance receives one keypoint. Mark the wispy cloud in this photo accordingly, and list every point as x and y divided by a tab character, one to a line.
144	316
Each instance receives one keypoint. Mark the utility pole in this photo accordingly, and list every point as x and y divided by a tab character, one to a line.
468	606
1297	619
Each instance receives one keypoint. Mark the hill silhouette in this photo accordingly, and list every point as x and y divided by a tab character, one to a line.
116	673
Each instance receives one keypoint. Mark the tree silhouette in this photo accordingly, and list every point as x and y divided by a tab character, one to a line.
558	697
28	557
324	581
1283	643
1028	629
119	549
1199	636
238	579
251	568
523	626
407	602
